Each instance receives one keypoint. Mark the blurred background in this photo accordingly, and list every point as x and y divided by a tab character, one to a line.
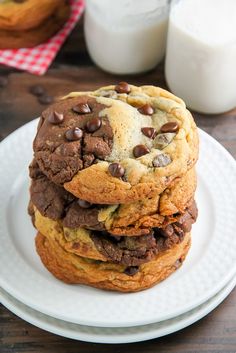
116	41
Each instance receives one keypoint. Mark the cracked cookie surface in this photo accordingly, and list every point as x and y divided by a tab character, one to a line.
123	151
132	219
72	268
129	251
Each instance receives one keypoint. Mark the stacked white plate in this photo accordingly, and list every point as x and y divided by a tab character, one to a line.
207	276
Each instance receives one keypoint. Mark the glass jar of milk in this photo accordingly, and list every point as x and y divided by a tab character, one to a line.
126	36
201	54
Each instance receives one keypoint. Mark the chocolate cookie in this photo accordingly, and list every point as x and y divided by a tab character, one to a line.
64	147
132	219
113	183
129	251
72	268
121	153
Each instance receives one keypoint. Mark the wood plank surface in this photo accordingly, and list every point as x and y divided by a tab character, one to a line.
73	70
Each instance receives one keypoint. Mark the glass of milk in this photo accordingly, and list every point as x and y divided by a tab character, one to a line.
126	36
200	62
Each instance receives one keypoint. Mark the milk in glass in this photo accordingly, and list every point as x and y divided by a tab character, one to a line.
126	36
201	54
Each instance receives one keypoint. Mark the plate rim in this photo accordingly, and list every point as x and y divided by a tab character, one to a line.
198	302
182	322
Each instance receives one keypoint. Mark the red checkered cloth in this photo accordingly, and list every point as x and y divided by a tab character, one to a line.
38	59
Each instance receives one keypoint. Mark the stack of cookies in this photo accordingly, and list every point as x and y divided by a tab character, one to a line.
26	23
113	183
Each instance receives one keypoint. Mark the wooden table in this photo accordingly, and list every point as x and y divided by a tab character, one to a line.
73	70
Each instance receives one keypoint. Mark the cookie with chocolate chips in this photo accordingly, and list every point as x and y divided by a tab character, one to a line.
68	138
145	130
136	218
106	275
113	183
105	262
123	250
154	139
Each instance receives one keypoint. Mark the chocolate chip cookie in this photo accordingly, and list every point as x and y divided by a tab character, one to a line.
116	151
123	250
72	268
112	186
136	218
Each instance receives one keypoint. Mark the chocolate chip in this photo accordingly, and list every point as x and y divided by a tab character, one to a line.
82	108
116	170
74	134
146	109
172	126
163	140
37	90
140	150
3	81
45	99
149	132
161	160
19	1
93	124
131	270
122	87
178	263
55	118
84	204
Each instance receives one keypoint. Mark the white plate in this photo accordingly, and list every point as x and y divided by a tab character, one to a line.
209	266
113	335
